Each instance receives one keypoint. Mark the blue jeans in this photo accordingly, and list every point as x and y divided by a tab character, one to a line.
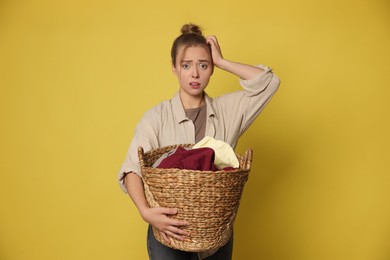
158	251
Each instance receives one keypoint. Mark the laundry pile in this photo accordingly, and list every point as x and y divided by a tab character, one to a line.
207	155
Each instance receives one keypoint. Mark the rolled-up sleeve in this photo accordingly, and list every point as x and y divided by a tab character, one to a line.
261	82
142	137
258	92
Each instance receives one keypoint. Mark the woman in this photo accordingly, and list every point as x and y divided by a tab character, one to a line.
189	116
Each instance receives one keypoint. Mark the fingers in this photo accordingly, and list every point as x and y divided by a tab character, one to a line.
168	211
161	218
167	234
212	38
165	237
216	52
174	232
171	221
173	229
178	231
175	235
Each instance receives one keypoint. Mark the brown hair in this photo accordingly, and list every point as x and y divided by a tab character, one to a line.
191	35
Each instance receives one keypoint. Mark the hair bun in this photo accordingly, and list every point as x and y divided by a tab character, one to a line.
191	28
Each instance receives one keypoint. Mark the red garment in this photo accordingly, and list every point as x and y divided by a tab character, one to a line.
201	159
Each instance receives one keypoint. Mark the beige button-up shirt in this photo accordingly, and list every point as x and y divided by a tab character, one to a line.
228	116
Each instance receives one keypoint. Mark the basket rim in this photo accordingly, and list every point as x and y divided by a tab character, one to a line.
235	170
247	165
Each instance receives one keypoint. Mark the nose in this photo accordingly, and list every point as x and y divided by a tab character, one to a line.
195	73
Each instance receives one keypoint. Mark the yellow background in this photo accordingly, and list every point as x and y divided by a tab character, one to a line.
76	76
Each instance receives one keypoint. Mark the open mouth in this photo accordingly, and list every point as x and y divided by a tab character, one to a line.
195	84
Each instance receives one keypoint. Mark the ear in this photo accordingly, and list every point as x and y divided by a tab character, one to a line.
174	70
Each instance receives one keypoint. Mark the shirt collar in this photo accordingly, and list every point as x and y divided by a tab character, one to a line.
179	112
209	101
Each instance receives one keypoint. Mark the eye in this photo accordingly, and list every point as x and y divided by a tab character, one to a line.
203	66
185	66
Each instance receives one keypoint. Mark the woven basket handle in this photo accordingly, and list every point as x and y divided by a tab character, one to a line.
149	196
248	158
141	157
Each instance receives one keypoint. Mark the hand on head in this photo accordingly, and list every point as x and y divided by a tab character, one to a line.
216	52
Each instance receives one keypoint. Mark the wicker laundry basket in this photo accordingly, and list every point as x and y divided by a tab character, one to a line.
207	200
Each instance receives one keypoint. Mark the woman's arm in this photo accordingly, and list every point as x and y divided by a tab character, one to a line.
259	83
157	217
243	71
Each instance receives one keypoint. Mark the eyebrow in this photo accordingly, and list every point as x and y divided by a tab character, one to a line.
192	61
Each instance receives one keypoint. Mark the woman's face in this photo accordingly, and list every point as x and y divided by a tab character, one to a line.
193	68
